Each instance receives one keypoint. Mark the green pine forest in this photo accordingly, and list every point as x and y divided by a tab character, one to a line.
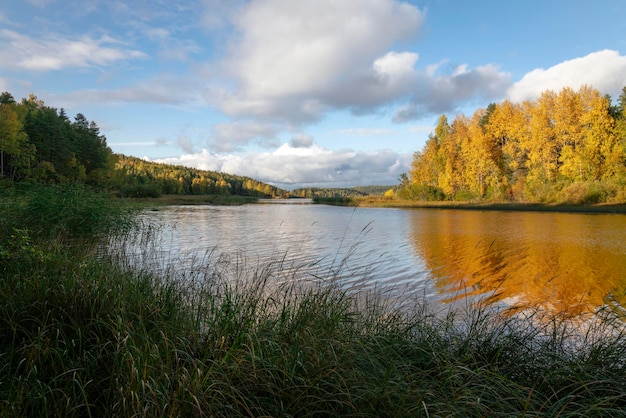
40	143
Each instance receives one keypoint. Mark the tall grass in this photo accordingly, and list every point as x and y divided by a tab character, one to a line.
100	336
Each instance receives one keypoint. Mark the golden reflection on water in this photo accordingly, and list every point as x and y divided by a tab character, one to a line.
559	263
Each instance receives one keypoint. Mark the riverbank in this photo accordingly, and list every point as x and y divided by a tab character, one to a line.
88	332
381	202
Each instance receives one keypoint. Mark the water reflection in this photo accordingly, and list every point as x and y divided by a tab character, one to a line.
556	262
360	248
553	261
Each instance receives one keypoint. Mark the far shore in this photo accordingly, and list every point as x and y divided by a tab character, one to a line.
379	202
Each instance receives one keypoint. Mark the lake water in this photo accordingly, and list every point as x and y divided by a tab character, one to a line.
555	261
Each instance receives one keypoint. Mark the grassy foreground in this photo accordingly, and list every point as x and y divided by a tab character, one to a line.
84	333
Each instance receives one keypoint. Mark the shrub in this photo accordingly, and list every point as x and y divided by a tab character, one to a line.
580	193
464	195
420	192
62	214
141	190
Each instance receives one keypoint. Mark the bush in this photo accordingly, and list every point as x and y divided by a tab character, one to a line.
420	192
141	190
580	193
63	213
464	195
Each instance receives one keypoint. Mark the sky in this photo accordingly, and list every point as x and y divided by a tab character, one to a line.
299	93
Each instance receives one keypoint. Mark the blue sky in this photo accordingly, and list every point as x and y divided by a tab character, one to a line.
328	93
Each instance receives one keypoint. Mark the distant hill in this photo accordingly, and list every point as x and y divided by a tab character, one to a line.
39	143
136	177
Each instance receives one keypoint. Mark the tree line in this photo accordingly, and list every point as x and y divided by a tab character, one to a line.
349	192
313	192
567	146
40	143
137	177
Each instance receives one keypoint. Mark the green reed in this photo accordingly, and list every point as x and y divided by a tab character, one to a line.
92	333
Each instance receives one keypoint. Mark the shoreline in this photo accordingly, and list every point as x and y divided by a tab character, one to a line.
373	202
599	208
192	200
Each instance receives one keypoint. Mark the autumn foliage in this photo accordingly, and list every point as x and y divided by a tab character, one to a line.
563	147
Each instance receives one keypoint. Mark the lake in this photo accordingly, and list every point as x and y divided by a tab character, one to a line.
559	262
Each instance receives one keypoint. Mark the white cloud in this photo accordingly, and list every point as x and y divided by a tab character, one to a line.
301	141
291	57
293	62
292	47
396	65
232	136
56	52
435	93
292	166
604	70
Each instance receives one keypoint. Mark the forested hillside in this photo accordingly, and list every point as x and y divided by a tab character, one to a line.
568	146
40	143
136	177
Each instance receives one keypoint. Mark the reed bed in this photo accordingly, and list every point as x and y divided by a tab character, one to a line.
86	331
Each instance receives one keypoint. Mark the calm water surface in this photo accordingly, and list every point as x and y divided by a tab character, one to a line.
559	262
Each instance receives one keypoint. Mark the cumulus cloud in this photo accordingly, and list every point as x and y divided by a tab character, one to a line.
294	165
443	93
232	136
295	61
301	141
292	47
290	57
390	77
604	70
56	52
